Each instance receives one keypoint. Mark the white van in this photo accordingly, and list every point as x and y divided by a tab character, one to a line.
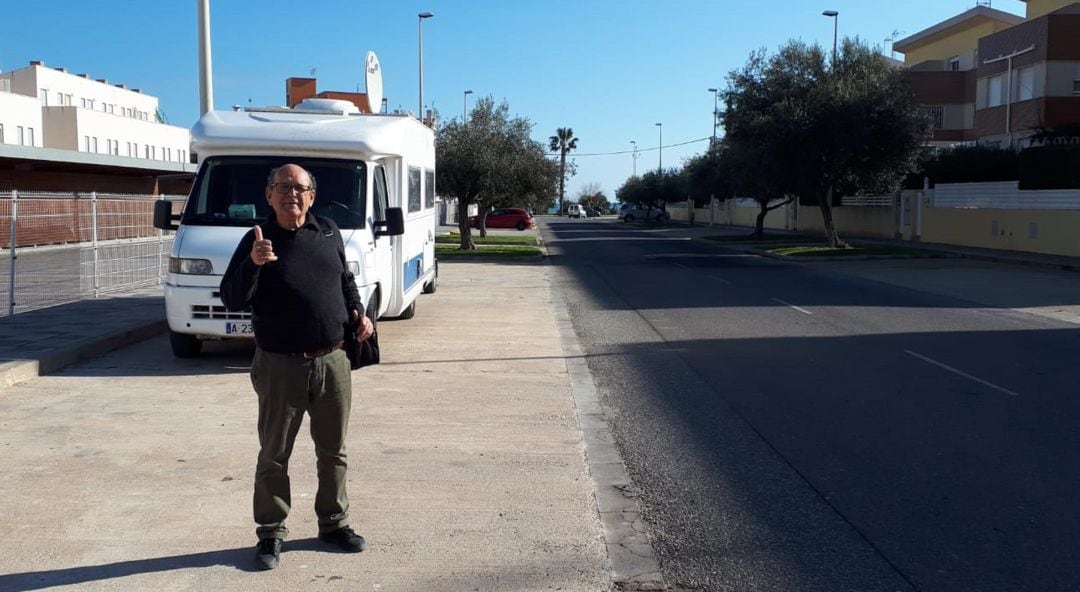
374	175
575	211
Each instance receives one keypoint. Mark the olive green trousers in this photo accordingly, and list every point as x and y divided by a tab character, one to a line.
288	387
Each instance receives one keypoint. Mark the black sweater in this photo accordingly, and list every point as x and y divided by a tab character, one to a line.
300	302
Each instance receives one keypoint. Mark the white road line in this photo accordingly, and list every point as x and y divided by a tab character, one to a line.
960	373
715	277
802	310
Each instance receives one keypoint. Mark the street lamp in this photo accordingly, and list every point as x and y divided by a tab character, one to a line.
835	16
715	94
634	156
420	41
660	166
465	106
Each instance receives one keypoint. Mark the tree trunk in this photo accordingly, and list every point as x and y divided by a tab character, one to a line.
831	236
481	221
467	243
759	224
562	178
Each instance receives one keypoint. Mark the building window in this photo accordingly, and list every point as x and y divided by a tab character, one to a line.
86	143
82	103
936	113
1	133
1025	84
22	138
95	144
954	63
30	135
994	95
43	94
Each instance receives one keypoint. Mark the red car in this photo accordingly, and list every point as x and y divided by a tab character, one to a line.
505	218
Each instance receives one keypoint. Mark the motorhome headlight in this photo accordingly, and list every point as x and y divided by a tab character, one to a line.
354	268
190	266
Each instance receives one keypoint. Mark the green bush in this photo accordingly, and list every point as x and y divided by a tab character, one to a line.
1050	167
965	164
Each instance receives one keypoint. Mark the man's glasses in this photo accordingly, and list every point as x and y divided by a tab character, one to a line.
288	188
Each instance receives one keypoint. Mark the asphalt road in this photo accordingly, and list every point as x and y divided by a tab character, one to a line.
795	427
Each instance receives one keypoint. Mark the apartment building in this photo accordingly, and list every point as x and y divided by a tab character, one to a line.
993	77
69	132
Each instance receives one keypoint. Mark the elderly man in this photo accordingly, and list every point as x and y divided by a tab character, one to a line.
291	272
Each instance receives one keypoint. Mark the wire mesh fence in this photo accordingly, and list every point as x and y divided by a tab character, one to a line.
62	247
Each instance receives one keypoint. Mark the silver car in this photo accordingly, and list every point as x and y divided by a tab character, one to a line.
631	212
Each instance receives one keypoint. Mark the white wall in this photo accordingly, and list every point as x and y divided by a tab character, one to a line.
166	142
77	113
18	111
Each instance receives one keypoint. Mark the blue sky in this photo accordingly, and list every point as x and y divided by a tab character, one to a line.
608	69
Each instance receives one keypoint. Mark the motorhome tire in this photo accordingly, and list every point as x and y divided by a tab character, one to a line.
430	287
372	310
184	345
409	312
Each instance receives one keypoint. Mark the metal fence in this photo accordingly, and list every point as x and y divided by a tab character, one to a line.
62	247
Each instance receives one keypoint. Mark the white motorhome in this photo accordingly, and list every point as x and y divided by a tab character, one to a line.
374	175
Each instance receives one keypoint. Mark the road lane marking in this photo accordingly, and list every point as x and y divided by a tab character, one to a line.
715	277
961	373
802	310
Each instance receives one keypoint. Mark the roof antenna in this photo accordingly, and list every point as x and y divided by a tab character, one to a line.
985	3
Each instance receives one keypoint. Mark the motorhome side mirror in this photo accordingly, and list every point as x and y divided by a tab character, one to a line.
163	216
393	225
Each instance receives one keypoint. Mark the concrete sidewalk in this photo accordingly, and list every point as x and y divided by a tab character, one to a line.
479	458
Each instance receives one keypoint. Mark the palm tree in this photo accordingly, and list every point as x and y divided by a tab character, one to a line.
563	141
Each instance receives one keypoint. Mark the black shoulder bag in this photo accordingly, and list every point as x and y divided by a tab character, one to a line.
361	353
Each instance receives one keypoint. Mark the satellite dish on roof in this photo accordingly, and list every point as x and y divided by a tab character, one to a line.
373	81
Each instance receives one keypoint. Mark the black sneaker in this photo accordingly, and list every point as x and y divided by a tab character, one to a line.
268	553
345	539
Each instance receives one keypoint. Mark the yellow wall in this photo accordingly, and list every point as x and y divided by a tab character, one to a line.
854	221
973	227
1037	8
961	42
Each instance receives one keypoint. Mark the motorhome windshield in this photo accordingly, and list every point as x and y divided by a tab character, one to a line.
230	190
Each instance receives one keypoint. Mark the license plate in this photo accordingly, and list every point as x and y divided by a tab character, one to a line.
238	329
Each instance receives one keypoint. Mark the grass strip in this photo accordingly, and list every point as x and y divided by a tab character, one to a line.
810	251
455	239
486	251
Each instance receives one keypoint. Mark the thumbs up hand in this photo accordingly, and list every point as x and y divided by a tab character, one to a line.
262	252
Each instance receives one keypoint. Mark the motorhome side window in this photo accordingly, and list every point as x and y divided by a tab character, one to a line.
381	199
429	189
414	189
231	190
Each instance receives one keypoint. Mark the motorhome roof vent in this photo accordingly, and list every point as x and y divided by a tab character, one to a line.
328	106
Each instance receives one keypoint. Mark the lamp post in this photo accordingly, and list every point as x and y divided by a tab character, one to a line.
660	165
634	156
835	16
465	106
715	95
420	41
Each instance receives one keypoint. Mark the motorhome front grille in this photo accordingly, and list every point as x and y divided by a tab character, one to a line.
201	311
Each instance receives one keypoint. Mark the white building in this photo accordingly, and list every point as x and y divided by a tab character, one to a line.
46	107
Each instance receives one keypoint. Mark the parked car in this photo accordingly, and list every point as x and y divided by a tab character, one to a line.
631	212
505	218
592	213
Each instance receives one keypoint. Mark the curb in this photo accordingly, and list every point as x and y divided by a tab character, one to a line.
634	566
18	371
